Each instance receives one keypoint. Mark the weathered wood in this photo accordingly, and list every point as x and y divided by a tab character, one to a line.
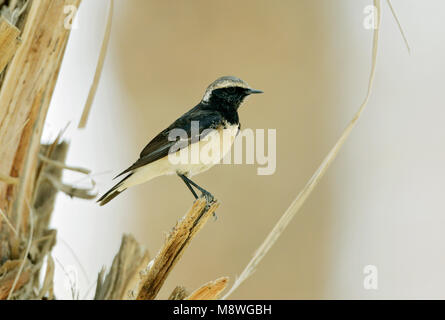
123	272
179	293
9	42
178	240
210	291
26	88
19	272
25	97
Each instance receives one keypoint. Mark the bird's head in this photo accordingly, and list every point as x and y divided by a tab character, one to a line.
228	90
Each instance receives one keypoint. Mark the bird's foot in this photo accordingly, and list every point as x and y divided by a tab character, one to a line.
215	217
208	197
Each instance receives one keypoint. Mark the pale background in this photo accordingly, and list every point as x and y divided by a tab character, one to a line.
382	201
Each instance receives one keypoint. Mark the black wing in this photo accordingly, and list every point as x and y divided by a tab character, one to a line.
160	146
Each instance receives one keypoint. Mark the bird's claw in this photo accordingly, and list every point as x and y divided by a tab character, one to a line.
208	197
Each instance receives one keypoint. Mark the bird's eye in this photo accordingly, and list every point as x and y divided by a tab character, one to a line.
231	90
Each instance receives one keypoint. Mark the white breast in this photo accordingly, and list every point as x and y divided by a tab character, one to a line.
201	156
211	150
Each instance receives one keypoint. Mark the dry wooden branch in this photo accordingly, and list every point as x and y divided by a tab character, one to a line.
25	95
179	293
125	268
7	282
210	291
133	276
9	42
178	240
45	192
26	87
25	257
19	279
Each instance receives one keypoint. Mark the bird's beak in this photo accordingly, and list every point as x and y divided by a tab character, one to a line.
253	91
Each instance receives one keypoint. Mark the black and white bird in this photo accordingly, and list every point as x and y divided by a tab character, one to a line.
216	116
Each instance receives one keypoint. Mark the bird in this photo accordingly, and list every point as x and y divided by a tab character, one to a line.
216	115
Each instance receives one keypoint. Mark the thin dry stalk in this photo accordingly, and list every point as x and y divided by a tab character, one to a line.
99	68
8	180
69	190
48	282
5	218
399	25
63	165
178	240
296	205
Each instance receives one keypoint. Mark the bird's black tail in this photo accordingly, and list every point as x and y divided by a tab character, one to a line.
112	193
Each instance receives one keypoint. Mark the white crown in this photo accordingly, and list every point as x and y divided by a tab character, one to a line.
224	82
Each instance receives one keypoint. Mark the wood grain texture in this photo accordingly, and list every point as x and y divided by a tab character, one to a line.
26	88
210	291
124	271
9	42
178	240
25	94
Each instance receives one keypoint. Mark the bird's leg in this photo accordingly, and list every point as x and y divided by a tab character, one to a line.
188	185
209	197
